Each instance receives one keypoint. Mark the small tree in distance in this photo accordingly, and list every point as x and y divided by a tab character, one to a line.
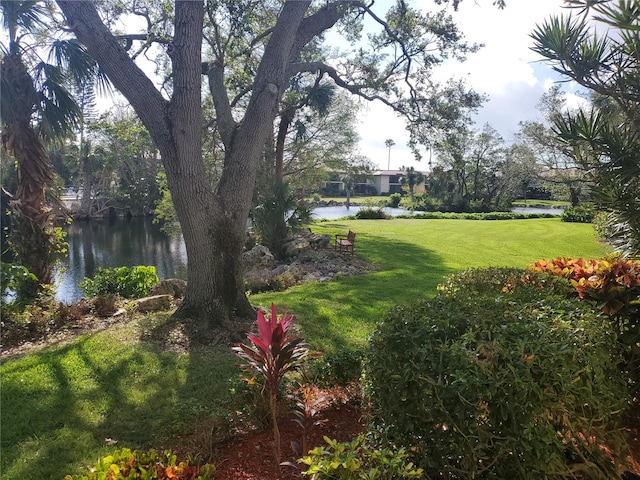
411	178
389	143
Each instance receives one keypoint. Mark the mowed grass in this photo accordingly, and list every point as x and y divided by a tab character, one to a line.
413	256
58	406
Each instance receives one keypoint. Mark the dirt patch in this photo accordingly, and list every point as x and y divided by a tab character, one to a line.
250	456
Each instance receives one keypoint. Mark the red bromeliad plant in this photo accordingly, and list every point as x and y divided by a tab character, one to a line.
271	355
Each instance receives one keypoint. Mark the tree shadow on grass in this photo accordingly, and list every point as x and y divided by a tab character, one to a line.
406	273
62	408
60	405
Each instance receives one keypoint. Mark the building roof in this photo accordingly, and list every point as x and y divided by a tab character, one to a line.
394	172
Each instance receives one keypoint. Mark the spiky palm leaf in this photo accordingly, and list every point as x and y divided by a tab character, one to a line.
607	137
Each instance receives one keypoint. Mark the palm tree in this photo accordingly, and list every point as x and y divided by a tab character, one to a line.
605	139
411	177
389	143
318	97
35	107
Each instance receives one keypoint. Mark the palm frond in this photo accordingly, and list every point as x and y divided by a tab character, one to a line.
71	56
21	14
58	110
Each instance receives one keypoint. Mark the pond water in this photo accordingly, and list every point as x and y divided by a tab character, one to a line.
552	211
331	213
116	243
137	241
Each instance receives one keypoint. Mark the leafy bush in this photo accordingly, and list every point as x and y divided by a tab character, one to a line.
128	282
614	284
259	282
19	280
371	213
34	321
394	200
477	216
279	211
486	385
356	459
339	368
525	285
125	464
583	213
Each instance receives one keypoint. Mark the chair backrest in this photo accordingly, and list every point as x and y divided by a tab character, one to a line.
351	236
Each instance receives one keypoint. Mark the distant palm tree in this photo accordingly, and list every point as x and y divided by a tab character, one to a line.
411	177
35	108
389	143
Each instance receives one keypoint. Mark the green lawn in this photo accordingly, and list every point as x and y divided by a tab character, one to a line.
58	406
413	257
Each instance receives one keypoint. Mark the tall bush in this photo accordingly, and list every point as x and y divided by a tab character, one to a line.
510	382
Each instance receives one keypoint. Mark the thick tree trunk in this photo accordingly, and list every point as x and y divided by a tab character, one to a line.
213	223
32	234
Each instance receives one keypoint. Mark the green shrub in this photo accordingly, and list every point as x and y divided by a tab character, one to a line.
128	282
525	285
356	459
17	279
476	216
125	464
339	368
394	200
371	213
583	213
483	385
258	283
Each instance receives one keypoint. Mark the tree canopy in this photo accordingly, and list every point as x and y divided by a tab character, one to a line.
246	53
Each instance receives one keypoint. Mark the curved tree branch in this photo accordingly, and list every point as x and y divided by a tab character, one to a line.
114	61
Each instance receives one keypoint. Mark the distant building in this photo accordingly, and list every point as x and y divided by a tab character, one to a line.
381	182
390	181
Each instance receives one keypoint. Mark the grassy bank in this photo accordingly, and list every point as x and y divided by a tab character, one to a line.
59	406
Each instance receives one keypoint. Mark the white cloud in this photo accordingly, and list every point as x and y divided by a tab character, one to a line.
506	69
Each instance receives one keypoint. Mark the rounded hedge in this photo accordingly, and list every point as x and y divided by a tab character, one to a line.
480	383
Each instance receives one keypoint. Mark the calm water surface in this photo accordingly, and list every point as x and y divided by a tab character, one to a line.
117	243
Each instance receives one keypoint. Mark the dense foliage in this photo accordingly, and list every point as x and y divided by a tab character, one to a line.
614	285
598	48
125	464
371	213
128	282
357	460
583	213
491	379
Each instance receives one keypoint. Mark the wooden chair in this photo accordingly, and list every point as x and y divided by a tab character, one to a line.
345	243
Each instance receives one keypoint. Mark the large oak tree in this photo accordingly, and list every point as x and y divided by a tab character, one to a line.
248	67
